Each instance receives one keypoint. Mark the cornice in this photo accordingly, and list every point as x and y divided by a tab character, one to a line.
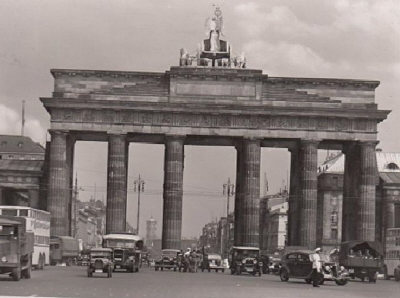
57	73
325	82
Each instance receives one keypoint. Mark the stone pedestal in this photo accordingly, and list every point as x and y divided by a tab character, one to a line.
308	184
59	192
117	169
294	199
365	227
247	200
173	192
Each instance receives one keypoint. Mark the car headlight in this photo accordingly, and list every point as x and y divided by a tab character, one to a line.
4	259
254	262
243	261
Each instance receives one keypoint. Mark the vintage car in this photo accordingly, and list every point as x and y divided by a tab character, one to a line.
168	260
212	262
363	259
297	264
100	261
244	259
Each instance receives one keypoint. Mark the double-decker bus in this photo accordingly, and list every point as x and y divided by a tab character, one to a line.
392	251
126	250
37	222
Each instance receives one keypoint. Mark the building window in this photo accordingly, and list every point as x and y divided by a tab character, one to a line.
334	218
392	166
334	234
333	201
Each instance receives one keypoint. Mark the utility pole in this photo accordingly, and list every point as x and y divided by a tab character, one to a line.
23	118
139	184
228	190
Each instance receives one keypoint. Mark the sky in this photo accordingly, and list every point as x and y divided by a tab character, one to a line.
351	39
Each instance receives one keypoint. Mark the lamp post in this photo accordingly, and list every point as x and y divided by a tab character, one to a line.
228	190
139	185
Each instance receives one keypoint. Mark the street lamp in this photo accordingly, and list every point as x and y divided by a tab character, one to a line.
139	185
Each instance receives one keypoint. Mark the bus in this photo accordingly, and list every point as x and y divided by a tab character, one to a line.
392	251
126	250
38	223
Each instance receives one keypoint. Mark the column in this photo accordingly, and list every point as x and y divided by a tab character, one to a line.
350	190
389	213
34	198
173	192
1	197
294	199
238	197
365	211
308	184
59	193
248	211
117	168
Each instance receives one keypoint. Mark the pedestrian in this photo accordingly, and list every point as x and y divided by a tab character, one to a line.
315	258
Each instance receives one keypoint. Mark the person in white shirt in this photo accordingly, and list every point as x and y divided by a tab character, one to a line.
315	258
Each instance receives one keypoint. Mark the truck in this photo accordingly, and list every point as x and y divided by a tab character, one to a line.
16	247
38	222
63	250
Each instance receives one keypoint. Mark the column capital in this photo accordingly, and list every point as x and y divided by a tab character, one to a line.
310	142
368	143
58	132
174	137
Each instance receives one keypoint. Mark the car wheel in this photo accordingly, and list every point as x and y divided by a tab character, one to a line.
162	268
89	273
284	275
341	282
209	270
259	272
27	273
216	270
16	274
223	270
322	280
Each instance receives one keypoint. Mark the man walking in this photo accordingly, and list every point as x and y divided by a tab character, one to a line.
315	258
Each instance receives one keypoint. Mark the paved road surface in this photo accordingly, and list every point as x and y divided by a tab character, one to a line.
73	282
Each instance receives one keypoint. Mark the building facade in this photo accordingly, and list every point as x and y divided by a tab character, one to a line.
22	172
331	185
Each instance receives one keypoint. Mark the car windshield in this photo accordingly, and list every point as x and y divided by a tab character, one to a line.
119	243
246	253
100	254
169	253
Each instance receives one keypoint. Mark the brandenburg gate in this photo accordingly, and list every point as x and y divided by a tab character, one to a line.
212	99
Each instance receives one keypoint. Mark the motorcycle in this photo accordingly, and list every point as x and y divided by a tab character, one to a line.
336	273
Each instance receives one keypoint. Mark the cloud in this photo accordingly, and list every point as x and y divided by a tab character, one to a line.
10	123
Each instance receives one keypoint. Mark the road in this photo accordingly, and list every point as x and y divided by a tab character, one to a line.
73	282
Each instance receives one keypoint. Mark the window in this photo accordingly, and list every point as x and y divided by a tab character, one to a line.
334	234
334	218
392	166
23	212
10	212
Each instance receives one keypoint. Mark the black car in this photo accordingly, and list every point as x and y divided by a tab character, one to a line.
168	260
100	261
297	264
245	260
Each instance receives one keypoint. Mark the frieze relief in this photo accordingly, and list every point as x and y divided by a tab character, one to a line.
214	120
